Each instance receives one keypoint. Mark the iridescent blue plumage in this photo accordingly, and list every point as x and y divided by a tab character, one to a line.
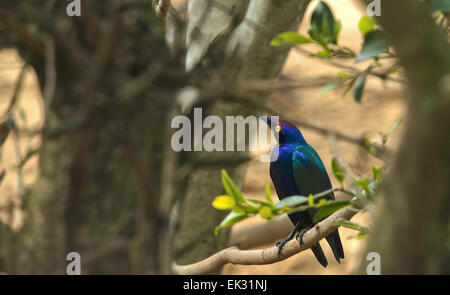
298	170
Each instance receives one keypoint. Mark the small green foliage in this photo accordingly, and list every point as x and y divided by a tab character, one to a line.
329	208
343	75
385	136
366	24
231	188
350	85
364	184
311	200
239	210
291	201
440	5
322	202
266	212
326	53
329	86
374	45
258	202
359	87
268	194
231	219
324	28
289	38
338	170
351	225
378	174
224	202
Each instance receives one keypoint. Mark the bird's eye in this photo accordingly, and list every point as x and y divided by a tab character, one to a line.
278	128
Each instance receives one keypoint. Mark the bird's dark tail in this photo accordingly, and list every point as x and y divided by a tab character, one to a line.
320	256
336	246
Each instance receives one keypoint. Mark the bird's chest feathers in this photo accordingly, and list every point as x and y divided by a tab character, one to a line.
282	174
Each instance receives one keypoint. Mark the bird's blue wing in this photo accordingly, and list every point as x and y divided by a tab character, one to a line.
311	177
309	172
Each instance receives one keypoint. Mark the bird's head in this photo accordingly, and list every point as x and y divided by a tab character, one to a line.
287	132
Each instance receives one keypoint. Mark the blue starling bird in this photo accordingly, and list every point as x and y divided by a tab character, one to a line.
296	169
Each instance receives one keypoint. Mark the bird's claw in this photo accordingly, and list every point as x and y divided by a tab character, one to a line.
300	235
280	246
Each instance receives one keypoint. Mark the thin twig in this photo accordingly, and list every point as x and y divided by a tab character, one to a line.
300	122
351	69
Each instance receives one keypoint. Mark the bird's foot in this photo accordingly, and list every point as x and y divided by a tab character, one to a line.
301	233
281	244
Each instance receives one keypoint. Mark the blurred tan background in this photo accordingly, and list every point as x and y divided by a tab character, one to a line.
382	105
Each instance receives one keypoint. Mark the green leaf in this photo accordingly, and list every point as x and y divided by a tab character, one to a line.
359	87
291	201
337	30
388	133
323	27
289	38
377	173
440	5
364	184
350	85
258	202
338	170
329	209
324	53
266	212
311	200
231	188
226	185
393	70
366	24
329	86
322	202
352	225
343	75
374	45
361	236
224	202
231	219
268	194
239	210
368	146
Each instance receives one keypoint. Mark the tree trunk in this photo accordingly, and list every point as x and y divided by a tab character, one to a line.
411	228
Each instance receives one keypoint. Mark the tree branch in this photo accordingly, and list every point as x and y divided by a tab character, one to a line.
266	256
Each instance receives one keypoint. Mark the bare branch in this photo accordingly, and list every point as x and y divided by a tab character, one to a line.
275	84
266	256
300	122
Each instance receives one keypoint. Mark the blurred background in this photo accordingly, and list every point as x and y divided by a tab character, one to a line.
86	162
